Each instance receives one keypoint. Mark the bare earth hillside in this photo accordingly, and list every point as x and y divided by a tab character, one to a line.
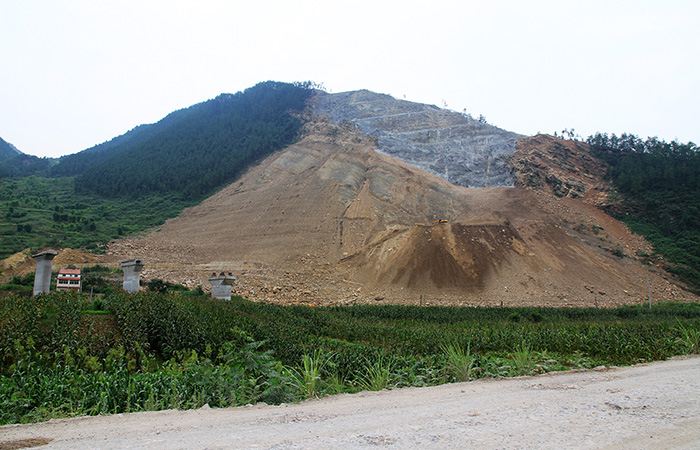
330	220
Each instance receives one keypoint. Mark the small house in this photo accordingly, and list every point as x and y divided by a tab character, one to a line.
68	280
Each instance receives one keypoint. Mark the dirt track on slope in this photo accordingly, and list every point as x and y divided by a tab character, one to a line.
650	406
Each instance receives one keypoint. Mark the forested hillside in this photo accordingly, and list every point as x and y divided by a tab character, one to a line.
660	184
22	165
192	152
7	150
147	175
78	163
14	163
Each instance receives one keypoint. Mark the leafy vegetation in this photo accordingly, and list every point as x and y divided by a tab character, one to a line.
140	179
40	212
20	284
59	357
24	165
660	183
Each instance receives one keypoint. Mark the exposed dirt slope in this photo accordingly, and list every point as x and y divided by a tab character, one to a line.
330	220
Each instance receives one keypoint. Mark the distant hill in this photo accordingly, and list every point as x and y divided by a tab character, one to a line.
294	210
330	220
193	151
14	163
149	174
7	150
78	163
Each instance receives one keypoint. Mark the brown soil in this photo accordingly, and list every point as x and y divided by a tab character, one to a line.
563	168
329	220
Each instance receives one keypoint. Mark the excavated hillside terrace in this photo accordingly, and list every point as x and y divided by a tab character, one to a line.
330	220
454	146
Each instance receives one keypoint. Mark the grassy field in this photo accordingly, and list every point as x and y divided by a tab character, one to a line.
63	356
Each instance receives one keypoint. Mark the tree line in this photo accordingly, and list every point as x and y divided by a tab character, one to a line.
660	183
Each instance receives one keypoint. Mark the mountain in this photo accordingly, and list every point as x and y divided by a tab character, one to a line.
192	152
14	163
355	196
147	175
78	163
7	150
334	219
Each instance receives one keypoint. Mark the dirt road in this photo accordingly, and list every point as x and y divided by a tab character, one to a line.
651	406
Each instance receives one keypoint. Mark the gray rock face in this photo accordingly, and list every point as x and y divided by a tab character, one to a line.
454	146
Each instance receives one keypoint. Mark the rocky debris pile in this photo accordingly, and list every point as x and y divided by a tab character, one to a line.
14	262
565	168
311	287
454	146
587	221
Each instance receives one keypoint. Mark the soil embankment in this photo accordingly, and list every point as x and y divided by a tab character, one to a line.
329	220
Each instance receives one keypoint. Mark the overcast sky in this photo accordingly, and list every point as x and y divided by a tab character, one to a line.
77	73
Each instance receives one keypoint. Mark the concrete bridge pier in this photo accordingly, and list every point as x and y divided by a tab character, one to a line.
132	273
42	275
221	285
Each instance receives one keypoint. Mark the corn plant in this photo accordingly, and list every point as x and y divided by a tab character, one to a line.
376	375
689	340
307	377
460	363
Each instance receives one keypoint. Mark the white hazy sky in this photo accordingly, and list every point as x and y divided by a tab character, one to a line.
76	73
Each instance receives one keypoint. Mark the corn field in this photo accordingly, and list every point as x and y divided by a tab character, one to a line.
61	356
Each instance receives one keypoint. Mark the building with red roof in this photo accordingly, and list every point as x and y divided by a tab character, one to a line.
68	280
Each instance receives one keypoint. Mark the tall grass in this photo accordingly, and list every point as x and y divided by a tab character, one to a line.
307	378
376	374
460	363
689	338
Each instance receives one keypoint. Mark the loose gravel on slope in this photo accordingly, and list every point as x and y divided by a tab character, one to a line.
649	406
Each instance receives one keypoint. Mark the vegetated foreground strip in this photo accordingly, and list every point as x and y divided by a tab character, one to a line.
156	351
649	406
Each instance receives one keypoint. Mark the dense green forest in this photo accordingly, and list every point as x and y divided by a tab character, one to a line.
149	174
24	165
78	163
204	147
660	186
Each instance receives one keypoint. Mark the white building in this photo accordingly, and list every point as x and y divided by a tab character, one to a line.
68	280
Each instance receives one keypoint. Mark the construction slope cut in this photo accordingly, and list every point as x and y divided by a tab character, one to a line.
330	220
